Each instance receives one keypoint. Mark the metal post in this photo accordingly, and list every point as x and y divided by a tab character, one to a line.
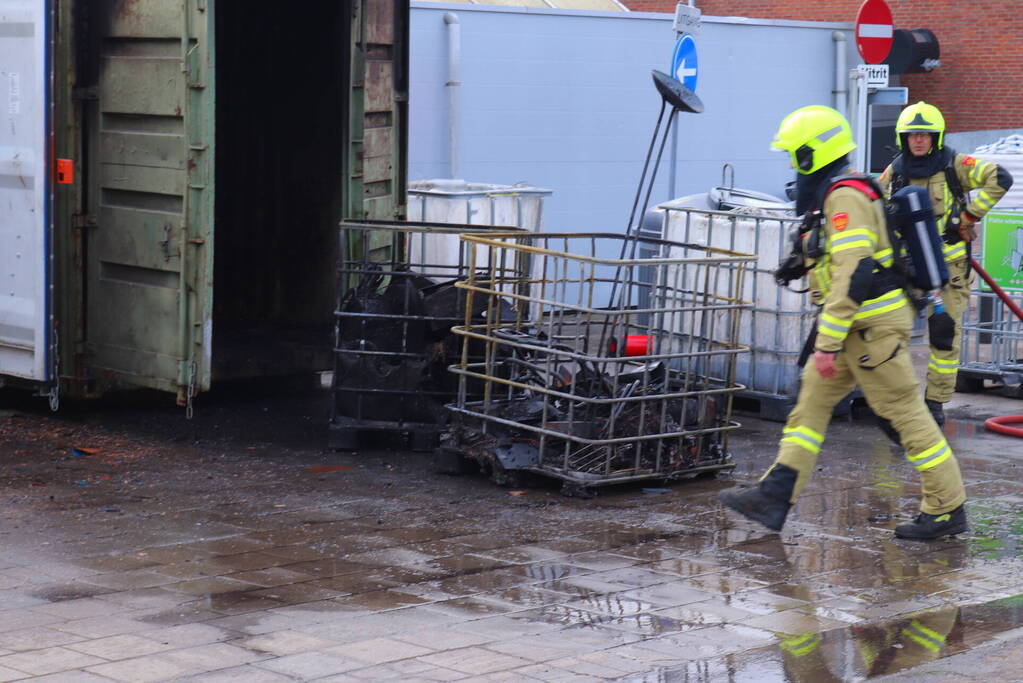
841	89
858	111
674	162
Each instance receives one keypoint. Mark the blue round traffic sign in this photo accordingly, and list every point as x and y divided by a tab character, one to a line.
684	63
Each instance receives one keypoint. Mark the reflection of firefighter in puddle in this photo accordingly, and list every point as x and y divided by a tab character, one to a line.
910	641
879	649
803	656
804	659
863	336
904	643
886	647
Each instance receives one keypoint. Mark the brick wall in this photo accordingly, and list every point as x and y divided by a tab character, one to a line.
979	85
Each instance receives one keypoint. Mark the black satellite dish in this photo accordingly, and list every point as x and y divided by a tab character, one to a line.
676	94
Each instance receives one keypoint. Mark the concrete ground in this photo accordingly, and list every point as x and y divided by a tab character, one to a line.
138	546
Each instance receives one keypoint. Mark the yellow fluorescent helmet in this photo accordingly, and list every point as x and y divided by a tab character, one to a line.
814	136
920	118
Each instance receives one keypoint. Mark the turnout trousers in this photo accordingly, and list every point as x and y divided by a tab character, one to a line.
944	362
876	357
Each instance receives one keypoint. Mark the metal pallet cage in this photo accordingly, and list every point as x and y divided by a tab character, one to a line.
607	369
396	303
992	345
777	324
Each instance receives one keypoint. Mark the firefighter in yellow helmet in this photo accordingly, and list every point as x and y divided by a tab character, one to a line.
862	336
926	161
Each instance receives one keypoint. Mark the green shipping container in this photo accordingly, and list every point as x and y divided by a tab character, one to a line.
172	173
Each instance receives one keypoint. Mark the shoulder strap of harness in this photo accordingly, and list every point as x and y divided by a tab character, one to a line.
959	196
898	175
955	187
897	274
860	181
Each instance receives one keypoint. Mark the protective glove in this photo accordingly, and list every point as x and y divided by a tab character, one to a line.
967	227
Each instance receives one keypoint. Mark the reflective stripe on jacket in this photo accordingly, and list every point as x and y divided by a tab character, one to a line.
856	230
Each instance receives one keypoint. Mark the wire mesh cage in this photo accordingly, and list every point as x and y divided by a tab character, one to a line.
607	369
776	326
992	343
396	303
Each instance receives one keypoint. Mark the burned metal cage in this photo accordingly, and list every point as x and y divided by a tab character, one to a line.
606	368
396	303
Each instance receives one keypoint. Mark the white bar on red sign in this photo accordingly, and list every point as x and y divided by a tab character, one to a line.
875	31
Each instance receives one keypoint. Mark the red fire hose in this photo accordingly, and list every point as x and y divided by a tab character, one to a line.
1000	424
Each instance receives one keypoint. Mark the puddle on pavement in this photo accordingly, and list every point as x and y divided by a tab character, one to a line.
996	529
546	571
860	651
70	591
645	624
963	429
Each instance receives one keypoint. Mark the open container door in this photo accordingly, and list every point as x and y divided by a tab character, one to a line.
150	253
376	159
25	84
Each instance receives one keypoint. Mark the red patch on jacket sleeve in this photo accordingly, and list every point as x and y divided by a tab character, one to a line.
969	161
840	220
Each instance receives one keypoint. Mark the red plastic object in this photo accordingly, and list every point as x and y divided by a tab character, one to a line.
635	345
65	171
1000	425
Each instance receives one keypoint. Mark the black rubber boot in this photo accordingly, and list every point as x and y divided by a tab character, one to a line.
889	430
767	502
937	411
927	527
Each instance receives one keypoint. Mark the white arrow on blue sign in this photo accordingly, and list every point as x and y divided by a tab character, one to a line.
684	63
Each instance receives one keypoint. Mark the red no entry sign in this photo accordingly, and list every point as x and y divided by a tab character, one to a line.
874	31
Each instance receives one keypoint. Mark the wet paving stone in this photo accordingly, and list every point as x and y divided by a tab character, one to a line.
448	578
527	596
379	600
272	576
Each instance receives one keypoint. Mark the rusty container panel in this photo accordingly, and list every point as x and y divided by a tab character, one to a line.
142	18
380	26
377	156
149	145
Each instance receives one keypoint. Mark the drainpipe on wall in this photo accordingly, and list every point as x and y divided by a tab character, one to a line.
841	73
453	85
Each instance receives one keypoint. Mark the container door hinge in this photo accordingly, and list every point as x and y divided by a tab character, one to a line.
83	220
54	393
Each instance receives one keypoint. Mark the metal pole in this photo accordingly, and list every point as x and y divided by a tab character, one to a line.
858	109
674	162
